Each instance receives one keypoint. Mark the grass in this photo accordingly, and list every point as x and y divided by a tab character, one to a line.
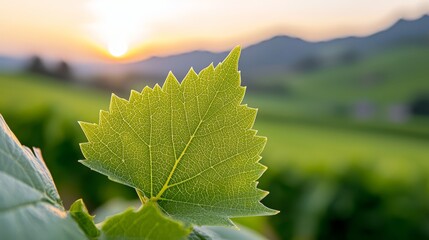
26	93
328	97
385	81
393	77
308	144
289	141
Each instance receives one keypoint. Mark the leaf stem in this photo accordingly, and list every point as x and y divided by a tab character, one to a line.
142	196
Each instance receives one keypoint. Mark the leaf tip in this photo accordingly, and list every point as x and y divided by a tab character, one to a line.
170	82
87	128
77	205
134	95
170	76
116	102
113	97
82	123
273	212
191	73
157	87
82	161
233	57
236	49
146	91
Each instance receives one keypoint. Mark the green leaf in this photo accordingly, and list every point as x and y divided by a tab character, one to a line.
86	222
147	223
30	207
188	146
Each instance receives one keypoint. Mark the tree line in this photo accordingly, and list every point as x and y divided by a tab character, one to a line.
61	70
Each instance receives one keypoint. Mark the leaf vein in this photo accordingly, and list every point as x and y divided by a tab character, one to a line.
165	186
212	167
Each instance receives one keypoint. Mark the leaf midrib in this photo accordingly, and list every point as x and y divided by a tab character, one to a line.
30	184
21	167
24	204
44	198
212	167
176	163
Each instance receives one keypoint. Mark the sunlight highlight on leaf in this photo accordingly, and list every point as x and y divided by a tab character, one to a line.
188	146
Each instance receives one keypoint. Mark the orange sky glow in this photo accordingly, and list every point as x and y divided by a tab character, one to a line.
130	30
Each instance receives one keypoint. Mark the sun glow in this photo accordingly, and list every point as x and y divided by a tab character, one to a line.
116	24
117	49
121	26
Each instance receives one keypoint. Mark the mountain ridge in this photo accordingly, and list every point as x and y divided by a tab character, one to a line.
284	51
279	54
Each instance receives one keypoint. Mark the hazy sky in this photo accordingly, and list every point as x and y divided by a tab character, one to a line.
135	29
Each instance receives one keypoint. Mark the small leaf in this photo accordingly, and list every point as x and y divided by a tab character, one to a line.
86	222
146	223
30	207
188	146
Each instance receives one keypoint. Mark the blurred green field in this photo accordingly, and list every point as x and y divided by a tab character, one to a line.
395	77
311	159
288	140
307	144
392	77
27	93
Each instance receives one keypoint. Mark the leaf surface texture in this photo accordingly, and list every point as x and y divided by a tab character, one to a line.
30	207
188	146
146	223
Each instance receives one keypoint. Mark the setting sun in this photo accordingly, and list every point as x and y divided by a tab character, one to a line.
120	26
117	24
117	49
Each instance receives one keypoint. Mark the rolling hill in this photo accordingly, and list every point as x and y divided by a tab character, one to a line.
275	56
280	54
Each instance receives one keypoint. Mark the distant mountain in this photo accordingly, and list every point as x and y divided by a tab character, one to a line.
276	56
11	64
279	54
